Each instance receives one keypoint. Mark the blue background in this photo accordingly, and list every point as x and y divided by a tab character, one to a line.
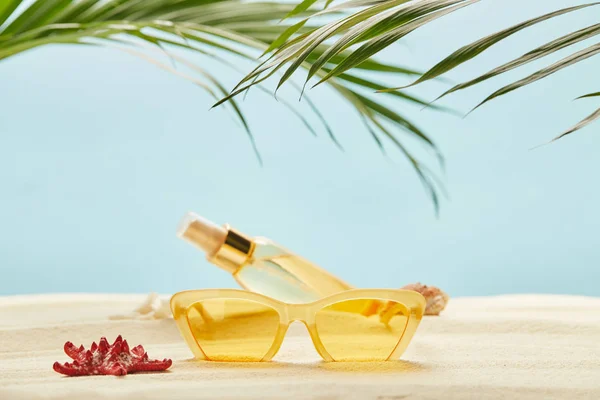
101	154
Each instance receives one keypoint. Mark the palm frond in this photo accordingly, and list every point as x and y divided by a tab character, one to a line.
346	42
541	74
224	31
539	52
472	50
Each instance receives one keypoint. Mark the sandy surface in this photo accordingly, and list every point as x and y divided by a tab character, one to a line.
513	347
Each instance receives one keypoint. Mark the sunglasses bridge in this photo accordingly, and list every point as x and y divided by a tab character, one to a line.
298	312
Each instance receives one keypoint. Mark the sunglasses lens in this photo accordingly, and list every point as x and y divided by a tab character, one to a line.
361	330
233	329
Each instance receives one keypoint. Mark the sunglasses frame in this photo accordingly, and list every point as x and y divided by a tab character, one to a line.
411	303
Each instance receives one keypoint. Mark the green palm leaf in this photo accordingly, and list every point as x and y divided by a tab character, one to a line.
596	94
588	120
542	51
390	33
472	50
7	8
223	30
565	62
584	122
345	43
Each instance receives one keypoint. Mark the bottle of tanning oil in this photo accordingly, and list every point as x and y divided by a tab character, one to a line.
258	264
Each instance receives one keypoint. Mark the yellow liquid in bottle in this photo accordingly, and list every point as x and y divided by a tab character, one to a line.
277	273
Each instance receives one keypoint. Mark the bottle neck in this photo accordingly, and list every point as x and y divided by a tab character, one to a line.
234	252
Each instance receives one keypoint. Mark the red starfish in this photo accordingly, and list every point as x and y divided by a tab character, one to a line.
106	359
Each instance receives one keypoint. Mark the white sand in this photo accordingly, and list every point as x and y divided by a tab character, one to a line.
513	347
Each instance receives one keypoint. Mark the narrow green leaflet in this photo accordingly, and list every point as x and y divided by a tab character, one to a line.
233	103
378	25
73	12
565	62
37	14
588	95
361	82
586	121
373	8
6	9
319	115
301	7
372	65
395	117
285	36
364	24
375	45
121	9
590	118
224	92
472	50
542	51
52	10
371	119
97	13
302	47
25	18
316	38
8	49
327	3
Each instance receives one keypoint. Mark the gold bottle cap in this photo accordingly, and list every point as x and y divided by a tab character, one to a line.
223	246
202	233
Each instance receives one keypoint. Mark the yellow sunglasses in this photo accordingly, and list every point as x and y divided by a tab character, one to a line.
354	325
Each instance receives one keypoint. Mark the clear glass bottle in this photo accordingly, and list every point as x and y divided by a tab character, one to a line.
260	265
